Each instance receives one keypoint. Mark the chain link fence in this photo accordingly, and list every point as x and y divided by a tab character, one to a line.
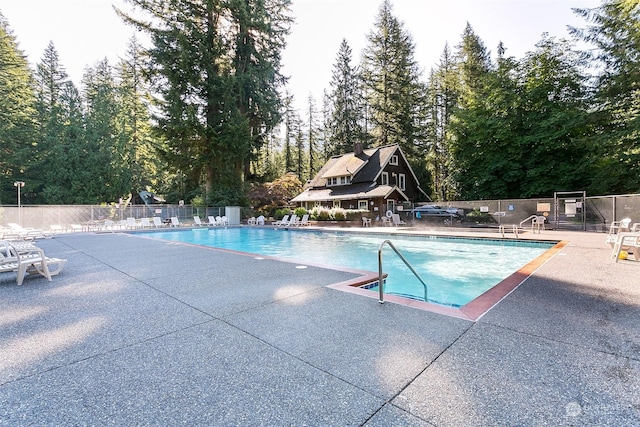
565	213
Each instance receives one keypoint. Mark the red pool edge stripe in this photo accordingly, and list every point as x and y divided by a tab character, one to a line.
471	311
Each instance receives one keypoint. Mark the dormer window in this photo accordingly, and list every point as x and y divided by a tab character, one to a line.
338	180
393	160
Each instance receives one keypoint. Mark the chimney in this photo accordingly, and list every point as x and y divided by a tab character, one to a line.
357	148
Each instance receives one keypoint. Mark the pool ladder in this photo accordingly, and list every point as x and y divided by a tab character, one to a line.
380	274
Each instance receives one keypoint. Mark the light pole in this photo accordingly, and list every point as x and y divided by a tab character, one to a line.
19	185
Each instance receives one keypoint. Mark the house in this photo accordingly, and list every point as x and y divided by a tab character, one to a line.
375	179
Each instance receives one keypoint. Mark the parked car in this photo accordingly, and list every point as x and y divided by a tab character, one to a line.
435	210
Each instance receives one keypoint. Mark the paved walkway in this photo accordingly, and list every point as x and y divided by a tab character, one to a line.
140	332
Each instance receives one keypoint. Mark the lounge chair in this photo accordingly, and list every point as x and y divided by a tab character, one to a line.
290	223
617	227
251	221
197	221
285	219
29	233
260	220
175	222
627	242
57	228
304	221
212	221
145	223
132	223
157	222
397	221
23	257
224	220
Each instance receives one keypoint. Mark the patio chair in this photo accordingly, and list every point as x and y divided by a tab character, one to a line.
21	257
224	220
397	221
197	221
251	221
285	219
629	243
132	223
304	221
260	220
157	222
145	223
617	227
29	233
212	221
175	222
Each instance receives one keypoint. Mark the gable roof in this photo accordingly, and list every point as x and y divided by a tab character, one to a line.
363	167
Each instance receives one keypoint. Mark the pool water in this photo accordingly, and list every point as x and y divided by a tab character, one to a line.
456	270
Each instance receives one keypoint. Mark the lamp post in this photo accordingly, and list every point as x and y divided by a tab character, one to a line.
19	185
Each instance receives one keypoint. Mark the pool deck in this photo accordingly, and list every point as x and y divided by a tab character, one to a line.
136	331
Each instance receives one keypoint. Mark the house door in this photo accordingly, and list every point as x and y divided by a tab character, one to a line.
391	205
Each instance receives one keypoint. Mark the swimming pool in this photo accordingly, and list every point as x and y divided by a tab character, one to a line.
456	270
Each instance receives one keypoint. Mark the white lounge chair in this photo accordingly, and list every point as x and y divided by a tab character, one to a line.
212	221
23	257
251	221
223	220
260	220
627	242
397	221
29	233
285	219
157	222
175	222
304	221
197	221
132	223
290	223
617	227
145	223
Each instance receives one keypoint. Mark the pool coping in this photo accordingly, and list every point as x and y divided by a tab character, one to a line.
472	311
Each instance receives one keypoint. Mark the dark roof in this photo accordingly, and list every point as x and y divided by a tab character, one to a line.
347	192
364	167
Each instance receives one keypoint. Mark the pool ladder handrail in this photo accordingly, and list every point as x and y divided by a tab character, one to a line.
380	274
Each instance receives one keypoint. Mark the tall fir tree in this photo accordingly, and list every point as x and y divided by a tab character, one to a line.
59	110
18	116
393	89
614	30
216	68
346	104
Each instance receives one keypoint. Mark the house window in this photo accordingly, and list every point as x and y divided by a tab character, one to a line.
385	178
339	180
363	205
336	203
401	181
393	160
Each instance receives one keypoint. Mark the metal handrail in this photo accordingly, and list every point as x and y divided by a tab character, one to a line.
380	275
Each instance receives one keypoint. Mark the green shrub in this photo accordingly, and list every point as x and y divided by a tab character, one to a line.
282	212
300	211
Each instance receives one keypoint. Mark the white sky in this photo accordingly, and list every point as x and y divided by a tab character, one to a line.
86	31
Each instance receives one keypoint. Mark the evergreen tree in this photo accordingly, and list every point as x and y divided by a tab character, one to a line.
216	71
393	89
134	126
614	30
59	110
442	97
313	139
105	176
18	118
345	98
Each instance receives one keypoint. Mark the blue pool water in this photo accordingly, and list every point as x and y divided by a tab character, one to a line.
456	270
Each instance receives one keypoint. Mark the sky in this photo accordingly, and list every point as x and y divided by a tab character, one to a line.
85	32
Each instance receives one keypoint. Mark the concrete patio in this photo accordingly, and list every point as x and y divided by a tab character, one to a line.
141	332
